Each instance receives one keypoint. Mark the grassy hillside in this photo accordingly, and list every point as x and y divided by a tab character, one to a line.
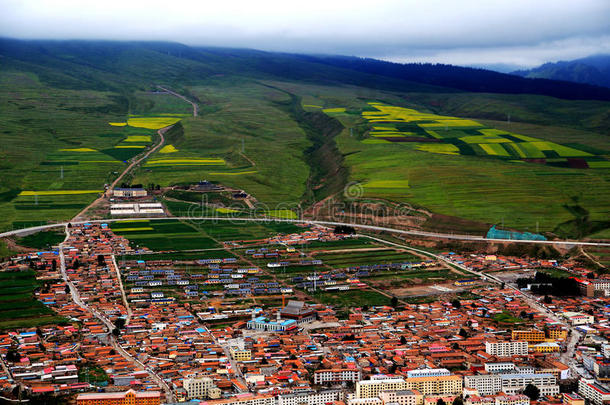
287	129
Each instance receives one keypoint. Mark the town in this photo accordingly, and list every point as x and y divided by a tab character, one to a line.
260	322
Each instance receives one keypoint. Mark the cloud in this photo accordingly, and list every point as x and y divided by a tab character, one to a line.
476	31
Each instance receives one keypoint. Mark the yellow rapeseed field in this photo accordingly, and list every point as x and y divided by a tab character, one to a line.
138	138
152	122
168	149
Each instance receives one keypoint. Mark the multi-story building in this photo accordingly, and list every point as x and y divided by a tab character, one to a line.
428	372
372	388
200	388
518	399
485	384
403	397
531	336
444	385
592	391
240	354
557	333
310	398
130	397
337	375
515	383
573	399
506	349
502	367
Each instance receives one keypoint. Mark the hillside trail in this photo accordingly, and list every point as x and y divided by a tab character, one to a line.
134	163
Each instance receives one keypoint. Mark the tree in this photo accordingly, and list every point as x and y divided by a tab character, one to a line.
394	302
458	401
523	314
532	392
463	333
456	303
116	331
119	323
403	340
54	264
101	260
441	402
13	355
548	300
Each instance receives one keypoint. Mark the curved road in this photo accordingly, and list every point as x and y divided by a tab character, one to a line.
173	93
471	238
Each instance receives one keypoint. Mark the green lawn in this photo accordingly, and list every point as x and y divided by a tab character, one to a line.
351	298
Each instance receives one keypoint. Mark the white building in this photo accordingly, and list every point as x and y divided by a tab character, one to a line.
428	372
516	383
485	384
337	375
310	398
201	388
591	390
506	349
499	367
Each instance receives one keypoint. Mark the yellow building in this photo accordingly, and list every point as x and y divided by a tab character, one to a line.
240	354
443	385
547	347
531	336
558	334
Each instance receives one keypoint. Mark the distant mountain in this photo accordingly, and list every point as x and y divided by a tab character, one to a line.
122	65
593	70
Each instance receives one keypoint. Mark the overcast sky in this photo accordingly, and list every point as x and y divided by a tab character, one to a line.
463	32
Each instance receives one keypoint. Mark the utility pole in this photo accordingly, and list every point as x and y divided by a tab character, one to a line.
61	176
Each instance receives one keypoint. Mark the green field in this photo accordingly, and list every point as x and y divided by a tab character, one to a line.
18	307
352	298
42	239
177	235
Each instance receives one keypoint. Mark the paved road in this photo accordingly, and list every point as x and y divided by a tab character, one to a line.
195	106
120	281
325	223
234	365
115	344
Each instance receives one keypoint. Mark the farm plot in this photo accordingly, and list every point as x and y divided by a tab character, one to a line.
352	259
163	235
352	298
18	307
467	137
